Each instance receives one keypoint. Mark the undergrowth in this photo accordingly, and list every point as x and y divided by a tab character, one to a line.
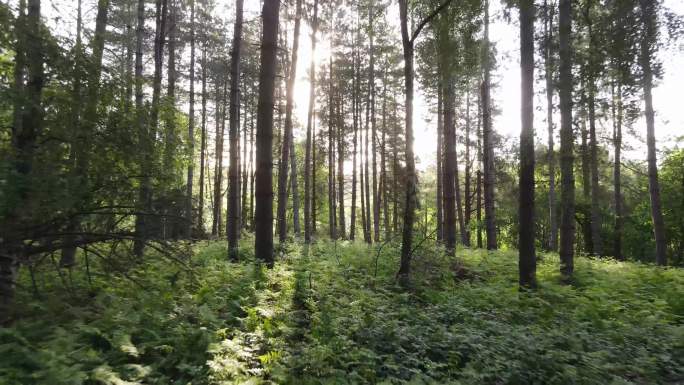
332	313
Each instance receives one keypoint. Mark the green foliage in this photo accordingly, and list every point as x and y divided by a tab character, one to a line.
332	313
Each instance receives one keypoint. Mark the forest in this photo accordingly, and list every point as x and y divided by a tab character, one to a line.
341	192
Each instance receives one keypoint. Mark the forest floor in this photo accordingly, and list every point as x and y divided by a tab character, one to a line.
333	314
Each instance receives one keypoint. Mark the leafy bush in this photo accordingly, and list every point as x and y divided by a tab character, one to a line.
331	313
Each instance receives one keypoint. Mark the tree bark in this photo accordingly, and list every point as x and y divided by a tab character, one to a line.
371	91
527	263
449	167
287	134
617	109
355	119
191	129
468	175
263	215
218	156
233	225
309	127
487	141
551	159
332	205
440	154
586	182
567	225
648	43
203	143
340	167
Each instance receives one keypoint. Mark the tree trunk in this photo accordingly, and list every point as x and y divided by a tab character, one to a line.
296	228
479	171
24	137
218	157
355	119
244	210
371	91
548	77
595	209
617	178
567	225
340	167
145	142
332	209
440	154
233	225
252	169
203	143
191	128
263	215
487	142
468	175
143	223
383	170
586	183
366	171
309	127
449	168
287	134
457	191
527	263
648	43
169	111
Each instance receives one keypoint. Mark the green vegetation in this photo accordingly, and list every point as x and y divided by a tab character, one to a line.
332	314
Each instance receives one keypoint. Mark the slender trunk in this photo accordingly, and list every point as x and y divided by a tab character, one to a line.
68	255
440	168
244	211
314	191
648	43
468	176
169	108
617	179
383	170
203	144
567	225
340	167
449	168
487	142
252	169
145	142
309	126
366	171
527	262
457	192
586	183
479	171
597	245
395	171
287	134
371	91
548	76
191	128
218	166
355	119
332	209
595	209
233	225
263	215
296	228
